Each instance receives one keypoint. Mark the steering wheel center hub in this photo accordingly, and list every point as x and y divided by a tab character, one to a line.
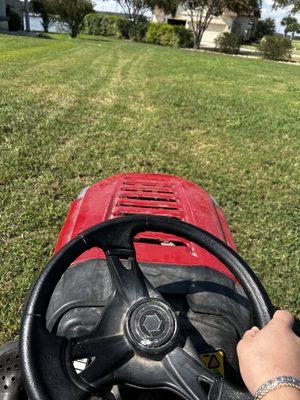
151	325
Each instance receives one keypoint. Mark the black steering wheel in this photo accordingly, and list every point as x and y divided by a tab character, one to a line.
137	340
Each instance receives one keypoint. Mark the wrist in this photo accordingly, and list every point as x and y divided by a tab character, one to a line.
272	386
283	393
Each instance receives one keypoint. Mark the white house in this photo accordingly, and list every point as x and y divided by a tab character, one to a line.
227	22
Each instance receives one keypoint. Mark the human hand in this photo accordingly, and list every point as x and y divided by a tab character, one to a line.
270	352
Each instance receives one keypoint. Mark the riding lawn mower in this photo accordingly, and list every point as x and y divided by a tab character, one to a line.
145	298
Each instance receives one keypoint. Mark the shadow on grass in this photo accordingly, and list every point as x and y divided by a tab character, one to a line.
44	36
31	34
249	53
19	33
243	52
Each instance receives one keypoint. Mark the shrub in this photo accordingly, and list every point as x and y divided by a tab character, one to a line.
228	43
153	33
89	23
109	25
136	32
123	27
276	48
14	20
169	35
186	38
101	24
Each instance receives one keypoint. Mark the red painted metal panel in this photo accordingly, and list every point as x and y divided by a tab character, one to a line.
155	194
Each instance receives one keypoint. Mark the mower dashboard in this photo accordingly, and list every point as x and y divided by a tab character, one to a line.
212	309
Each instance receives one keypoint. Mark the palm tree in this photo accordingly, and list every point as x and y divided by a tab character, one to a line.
291	25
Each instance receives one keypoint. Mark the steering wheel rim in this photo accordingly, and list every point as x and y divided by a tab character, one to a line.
118	343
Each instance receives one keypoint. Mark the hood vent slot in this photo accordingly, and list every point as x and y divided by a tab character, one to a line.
147	197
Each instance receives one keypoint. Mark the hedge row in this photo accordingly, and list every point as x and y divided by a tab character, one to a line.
135	32
169	35
163	34
101	25
271	47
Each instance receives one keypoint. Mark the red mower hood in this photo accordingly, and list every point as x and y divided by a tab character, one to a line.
154	194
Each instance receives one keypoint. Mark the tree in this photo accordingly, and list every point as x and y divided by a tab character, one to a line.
169	6
291	25
135	24
72	13
133	9
265	27
201	13
45	9
294	4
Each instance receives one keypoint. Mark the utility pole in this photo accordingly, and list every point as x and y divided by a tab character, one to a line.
26	12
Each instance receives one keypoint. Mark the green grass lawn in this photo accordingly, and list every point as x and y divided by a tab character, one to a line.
75	111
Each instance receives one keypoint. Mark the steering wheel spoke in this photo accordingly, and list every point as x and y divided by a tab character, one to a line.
178	372
104	354
189	377
129	282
